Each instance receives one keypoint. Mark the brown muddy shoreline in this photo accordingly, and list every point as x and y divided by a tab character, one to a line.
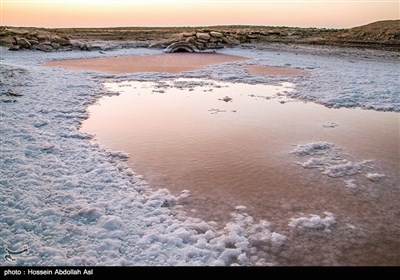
383	35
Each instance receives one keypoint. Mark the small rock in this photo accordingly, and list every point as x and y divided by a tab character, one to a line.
230	41
8	101
84	47
76	45
191	40
43	48
188	34
14	48
200	46
19	32
6	40
55	45
41	37
375	176
215	40
14	94
216	34
242	39
204	30
219	46
22	43
330	125
226	99
202	41
33	42
46	43
64	41
203	36
211	46
55	38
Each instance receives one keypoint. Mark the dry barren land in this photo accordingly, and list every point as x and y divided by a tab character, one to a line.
378	35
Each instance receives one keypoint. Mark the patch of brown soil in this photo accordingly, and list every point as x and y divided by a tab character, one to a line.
166	63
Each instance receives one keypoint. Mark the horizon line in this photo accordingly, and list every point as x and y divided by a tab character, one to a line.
194	26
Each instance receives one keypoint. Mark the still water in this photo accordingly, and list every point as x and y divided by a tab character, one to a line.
230	144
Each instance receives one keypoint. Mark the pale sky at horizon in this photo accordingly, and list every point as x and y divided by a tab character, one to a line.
113	13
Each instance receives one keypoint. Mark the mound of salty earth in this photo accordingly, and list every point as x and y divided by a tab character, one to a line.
385	32
381	35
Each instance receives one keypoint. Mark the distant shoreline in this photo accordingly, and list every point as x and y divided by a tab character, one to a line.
383	35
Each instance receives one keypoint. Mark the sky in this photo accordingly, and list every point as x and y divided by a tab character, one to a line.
113	13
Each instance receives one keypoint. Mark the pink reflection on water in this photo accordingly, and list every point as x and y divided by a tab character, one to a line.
238	153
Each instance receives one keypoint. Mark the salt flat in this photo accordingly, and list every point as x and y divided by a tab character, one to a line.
73	202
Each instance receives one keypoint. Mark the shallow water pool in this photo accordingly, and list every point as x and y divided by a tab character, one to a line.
231	144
